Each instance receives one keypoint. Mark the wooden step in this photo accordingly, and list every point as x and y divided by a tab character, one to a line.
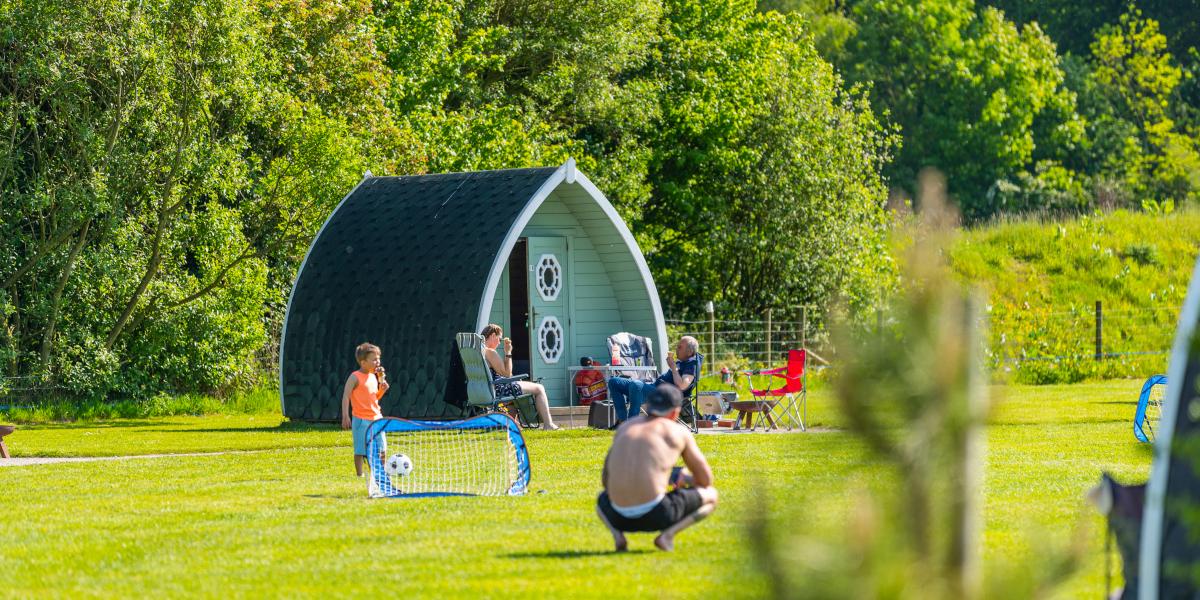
570	417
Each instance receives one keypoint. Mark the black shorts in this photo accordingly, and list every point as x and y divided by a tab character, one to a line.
674	507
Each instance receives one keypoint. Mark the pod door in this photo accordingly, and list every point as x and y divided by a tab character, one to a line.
548	314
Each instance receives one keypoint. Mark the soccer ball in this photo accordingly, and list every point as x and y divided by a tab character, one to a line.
398	464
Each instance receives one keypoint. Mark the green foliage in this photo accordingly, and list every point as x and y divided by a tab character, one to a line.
692	117
164	165
1132	108
167	163
1073	24
831	27
974	96
1050	189
915	393
260	400
924	525
160	160
764	169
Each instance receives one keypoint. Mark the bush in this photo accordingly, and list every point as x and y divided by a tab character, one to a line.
1049	189
259	400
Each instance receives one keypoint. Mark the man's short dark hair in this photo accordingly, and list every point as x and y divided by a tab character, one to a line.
663	399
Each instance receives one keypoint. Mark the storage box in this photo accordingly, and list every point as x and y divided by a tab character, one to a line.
601	414
712	403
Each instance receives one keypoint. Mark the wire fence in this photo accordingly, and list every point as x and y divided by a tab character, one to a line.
1024	344
746	341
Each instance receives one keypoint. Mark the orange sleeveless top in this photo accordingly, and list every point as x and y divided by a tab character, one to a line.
364	398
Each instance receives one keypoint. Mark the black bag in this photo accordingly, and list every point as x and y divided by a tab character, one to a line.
601	414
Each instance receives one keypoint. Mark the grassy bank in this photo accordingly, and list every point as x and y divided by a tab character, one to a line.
1043	280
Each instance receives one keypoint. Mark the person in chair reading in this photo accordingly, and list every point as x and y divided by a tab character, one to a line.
640	471
684	368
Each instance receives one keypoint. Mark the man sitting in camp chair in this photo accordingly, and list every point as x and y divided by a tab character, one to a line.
682	374
640	467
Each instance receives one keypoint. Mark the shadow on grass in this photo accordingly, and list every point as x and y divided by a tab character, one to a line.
570	553
89	424
284	427
1050	420
170	421
276	429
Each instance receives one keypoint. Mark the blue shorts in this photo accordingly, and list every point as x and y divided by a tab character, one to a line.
358	428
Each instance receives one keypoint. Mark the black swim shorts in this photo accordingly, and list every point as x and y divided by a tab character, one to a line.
674	507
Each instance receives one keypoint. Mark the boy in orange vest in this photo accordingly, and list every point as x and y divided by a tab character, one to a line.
363	390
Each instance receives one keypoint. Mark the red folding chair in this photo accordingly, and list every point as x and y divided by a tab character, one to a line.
779	405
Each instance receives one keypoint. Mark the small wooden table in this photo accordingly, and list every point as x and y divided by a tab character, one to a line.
747	408
5	430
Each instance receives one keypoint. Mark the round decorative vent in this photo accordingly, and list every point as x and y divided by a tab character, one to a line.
549	277
550	339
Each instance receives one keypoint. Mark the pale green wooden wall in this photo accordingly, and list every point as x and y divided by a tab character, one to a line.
606	292
500	314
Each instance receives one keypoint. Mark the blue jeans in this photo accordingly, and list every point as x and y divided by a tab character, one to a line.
620	388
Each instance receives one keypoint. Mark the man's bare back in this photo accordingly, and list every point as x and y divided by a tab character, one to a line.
639	463
638	469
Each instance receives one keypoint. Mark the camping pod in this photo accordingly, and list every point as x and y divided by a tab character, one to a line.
407	262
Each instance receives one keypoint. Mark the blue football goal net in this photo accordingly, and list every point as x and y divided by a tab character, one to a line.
480	456
1149	408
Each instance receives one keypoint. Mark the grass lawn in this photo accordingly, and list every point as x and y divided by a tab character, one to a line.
294	521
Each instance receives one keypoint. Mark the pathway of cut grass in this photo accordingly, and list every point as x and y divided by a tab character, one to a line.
295	522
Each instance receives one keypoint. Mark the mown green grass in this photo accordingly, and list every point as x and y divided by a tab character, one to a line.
294	521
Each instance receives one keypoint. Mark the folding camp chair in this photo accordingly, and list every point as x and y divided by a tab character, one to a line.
633	351
481	388
689	413
782	409
629	350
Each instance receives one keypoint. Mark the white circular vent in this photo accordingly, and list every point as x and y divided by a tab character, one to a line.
549	277
550	340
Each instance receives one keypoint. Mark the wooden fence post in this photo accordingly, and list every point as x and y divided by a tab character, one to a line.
804	327
712	334
768	360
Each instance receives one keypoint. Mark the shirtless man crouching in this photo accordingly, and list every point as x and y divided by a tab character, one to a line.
639	470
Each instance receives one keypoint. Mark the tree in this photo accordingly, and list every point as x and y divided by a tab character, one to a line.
697	120
498	83
764	171
1133	99
161	158
974	96
1074	25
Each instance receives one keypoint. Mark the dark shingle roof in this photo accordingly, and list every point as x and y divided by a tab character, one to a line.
403	264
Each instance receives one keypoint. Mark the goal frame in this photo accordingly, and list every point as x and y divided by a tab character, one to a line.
381	481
